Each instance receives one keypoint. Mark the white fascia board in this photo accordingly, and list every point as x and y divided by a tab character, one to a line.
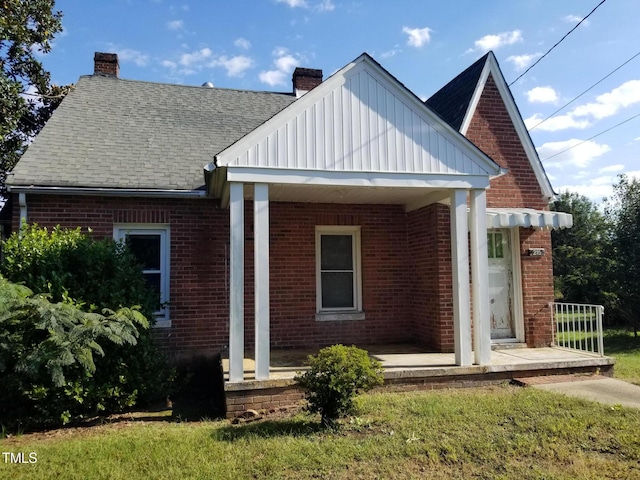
354	179
491	67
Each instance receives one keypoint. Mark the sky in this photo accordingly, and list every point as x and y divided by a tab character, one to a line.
256	44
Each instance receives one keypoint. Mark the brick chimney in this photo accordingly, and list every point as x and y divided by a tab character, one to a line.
305	79
106	64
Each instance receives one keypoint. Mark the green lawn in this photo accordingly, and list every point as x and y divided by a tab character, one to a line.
499	433
625	348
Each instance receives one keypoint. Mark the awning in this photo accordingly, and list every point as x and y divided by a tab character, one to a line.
527	217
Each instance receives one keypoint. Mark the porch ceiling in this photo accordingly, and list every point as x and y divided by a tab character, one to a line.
412	198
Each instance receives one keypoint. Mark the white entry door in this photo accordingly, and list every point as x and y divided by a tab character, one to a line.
501	288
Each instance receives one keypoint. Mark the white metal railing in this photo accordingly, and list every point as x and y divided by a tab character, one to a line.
578	327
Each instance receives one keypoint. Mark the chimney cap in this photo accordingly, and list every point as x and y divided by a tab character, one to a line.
307	72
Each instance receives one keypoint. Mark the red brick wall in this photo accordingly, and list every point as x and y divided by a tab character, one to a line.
492	130
429	250
199	242
537	286
293	279
199	265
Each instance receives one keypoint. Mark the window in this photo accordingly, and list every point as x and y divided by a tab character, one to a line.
494	245
338	279
150	245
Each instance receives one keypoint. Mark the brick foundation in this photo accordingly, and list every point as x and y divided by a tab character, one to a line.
285	393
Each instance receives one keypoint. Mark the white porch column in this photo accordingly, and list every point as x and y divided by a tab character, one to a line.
480	278
261	277
236	283
460	267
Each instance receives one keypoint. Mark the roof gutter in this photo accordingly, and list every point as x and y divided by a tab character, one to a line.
107	192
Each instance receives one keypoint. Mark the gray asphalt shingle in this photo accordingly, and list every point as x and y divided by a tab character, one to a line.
115	133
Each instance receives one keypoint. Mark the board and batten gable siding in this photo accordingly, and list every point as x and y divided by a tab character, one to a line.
358	121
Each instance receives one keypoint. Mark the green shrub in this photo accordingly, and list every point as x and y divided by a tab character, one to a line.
96	273
336	375
72	268
48	357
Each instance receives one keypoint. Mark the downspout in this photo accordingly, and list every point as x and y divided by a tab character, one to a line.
22	201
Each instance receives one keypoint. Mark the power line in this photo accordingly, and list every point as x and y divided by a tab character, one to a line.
594	136
557	43
591	87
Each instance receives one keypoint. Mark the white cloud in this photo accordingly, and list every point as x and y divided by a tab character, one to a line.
520	62
390	53
560	122
542	95
236	66
594	192
189	63
294	3
284	64
137	57
175	25
493	42
196	58
417	36
569	154
242	43
611	102
576	19
611	169
583	116
632	174
273	77
325	6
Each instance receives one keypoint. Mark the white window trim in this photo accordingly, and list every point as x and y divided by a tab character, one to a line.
120	231
337	314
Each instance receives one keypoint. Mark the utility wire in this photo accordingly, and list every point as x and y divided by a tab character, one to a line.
557	43
594	136
591	87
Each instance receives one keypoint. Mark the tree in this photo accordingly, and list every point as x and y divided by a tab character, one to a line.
27	99
582	255
624	209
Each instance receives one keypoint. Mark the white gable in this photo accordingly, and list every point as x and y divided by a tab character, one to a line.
359	120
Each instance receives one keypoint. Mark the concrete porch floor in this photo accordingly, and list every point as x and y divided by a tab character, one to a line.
402	362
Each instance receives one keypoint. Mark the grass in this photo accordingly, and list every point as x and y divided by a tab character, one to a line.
625	348
500	432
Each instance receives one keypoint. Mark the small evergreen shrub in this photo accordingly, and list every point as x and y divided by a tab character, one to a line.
336	375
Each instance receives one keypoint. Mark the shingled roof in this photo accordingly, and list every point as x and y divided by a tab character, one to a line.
452	101
115	133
